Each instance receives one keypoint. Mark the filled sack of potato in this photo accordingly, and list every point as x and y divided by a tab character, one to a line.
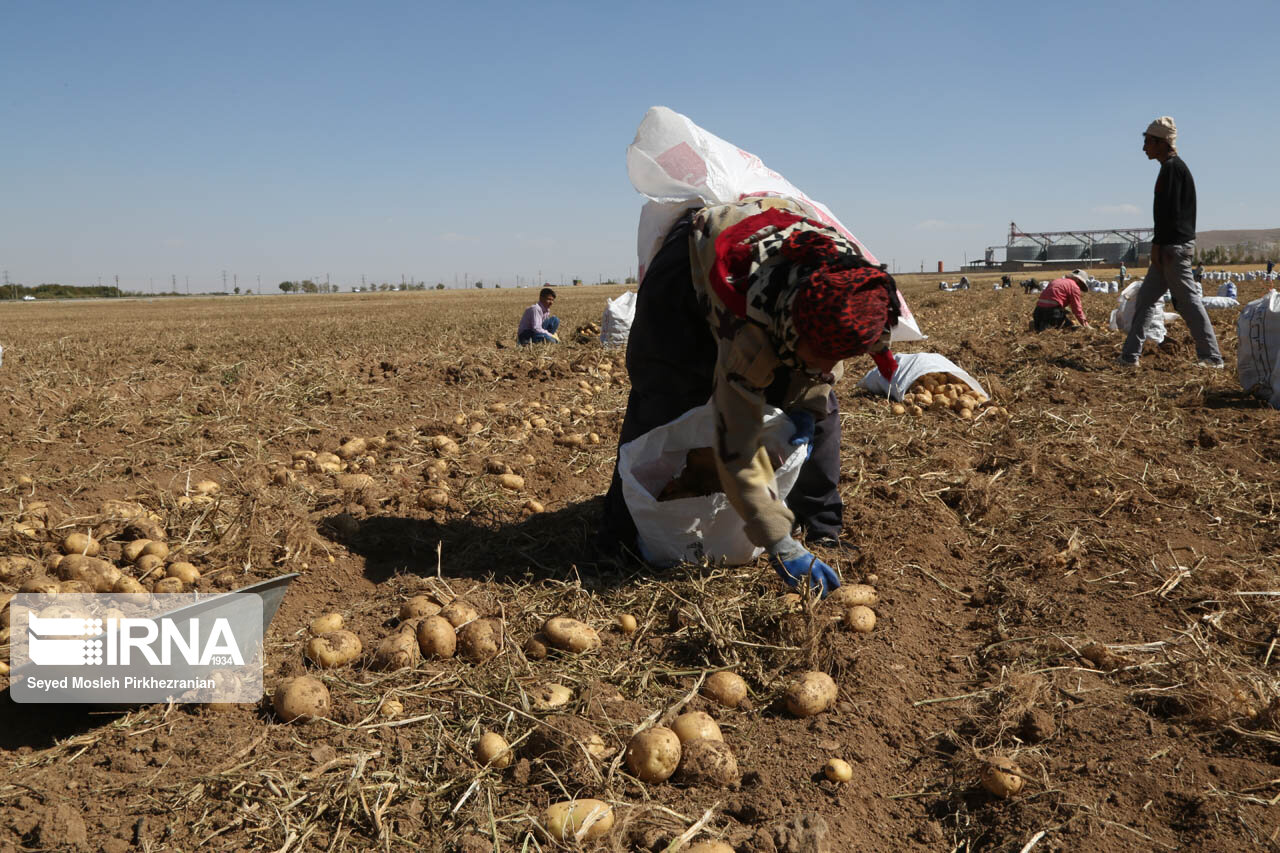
911	368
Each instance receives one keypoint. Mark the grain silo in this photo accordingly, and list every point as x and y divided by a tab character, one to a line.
1066	248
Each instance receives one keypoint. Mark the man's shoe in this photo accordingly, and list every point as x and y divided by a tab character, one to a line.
1211	364
1123	362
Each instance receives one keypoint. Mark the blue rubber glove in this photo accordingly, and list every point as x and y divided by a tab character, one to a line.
803	422
793	563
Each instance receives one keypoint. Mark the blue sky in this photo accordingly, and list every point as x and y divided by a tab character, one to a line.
450	142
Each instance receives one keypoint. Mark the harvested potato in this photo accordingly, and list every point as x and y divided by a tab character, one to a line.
301	698
1000	776
653	754
81	543
535	649
436	638
837	770
434	499
707	847
98	574
626	623
39	584
570	635
74	588
353	482
725	688
545	697
707	762
129	585
418	607
533	506
206	487
337	648
811	694
133	550
513	482
898	409
167	586
149	563
459	612
493	750
325	624
578	820
481	640
853	594
183	571
693	725
396	651
860	618
352	448
392	708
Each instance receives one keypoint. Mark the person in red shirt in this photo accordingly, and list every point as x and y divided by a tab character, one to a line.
1062	295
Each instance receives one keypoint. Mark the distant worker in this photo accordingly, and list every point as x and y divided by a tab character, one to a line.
1124	274
1030	285
964	283
1006	281
1062	295
1198	275
538	326
1172	246
1270	266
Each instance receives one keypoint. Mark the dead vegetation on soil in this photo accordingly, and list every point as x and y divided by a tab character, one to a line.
1075	627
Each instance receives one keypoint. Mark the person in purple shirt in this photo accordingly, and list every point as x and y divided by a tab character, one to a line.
538	326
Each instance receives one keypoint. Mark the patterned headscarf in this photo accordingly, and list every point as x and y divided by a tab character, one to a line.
800	279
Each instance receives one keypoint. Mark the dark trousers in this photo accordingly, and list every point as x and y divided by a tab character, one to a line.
1050	317
671	356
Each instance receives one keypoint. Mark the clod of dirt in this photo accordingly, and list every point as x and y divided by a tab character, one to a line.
806	833
1207	438
707	762
1037	725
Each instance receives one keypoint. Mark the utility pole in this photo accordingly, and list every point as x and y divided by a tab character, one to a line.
117	285
224	282
173	281
188	283
235	280
362	284
6	284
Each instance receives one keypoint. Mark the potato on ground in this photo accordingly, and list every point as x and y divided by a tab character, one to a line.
578	820
570	635
725	688
334	649
1001	776
493	750
481	640
810	694
301	698
653	754
437	638
693	725
397	651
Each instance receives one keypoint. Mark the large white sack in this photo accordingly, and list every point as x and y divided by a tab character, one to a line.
677	165
1258	347
1122	316
615	324
1215	303
688	529
911	367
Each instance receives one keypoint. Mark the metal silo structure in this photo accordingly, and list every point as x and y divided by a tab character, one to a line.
1067	248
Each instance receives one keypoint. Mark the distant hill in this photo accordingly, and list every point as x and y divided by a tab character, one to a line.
1213	239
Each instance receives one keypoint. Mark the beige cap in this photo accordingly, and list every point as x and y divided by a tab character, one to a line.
1162	128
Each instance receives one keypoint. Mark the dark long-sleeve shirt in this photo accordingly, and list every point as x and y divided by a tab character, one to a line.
1175	204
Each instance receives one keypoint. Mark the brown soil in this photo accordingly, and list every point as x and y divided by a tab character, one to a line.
1076	588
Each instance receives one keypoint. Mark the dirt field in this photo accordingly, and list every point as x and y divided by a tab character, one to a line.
1087	587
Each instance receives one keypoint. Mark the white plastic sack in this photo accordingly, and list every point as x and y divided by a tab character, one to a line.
910	368
1228	289
615	325
678	165
1258	347
687	529
1220	302
1122	317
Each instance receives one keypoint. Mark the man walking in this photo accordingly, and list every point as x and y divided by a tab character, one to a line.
1172	246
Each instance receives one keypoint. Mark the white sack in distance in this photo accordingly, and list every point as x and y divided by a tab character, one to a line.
615	325
678	165
687	529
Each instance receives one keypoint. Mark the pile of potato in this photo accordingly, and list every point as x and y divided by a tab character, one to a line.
943	392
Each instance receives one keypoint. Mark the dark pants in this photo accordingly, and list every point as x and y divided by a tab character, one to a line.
1050	317
671	356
